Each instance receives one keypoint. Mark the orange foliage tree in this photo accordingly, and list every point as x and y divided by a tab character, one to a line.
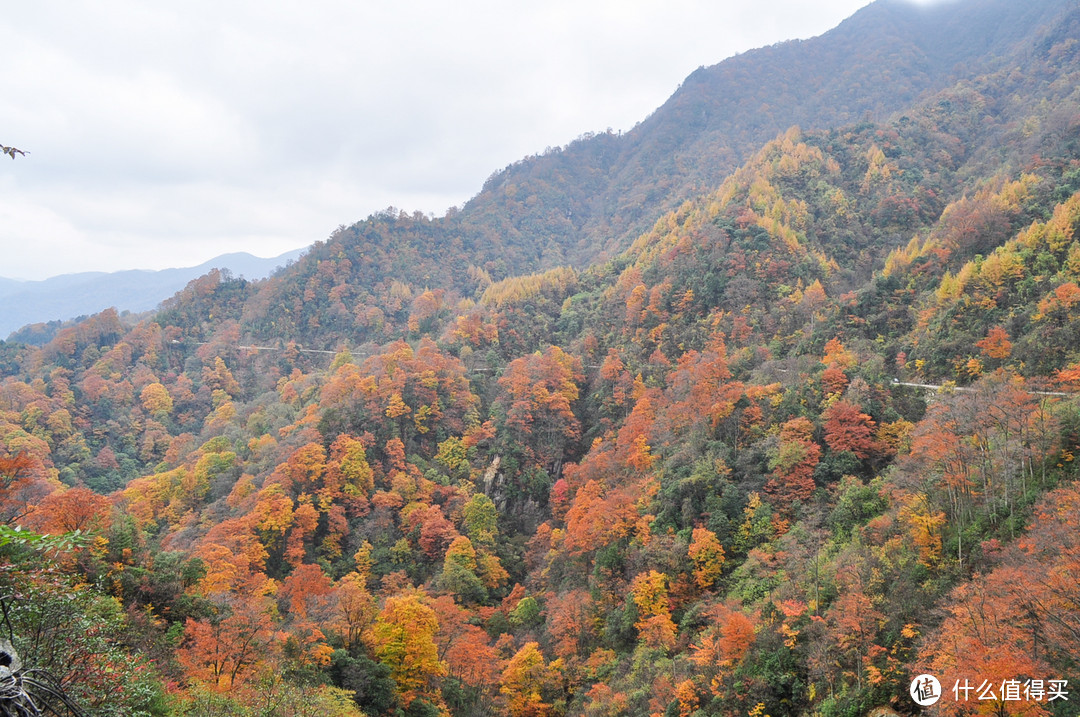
721	647
20	486
401	393
1018	622
77	508
226	649
996	345
537	393
464	647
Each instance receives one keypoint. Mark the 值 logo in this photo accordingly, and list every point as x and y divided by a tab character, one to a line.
925	690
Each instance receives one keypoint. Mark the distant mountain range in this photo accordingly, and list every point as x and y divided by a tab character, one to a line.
65	297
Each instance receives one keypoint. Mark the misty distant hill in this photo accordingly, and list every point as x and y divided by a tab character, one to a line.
67	296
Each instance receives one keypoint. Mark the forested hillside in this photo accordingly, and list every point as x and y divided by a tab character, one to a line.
594	196
809	433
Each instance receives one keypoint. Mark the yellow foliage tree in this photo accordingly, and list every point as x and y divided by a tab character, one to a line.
404	638
650	595
708	556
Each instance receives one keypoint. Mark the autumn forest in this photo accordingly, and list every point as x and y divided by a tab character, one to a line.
762	408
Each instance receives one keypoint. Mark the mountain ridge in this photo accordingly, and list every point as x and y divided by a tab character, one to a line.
683	129
528	217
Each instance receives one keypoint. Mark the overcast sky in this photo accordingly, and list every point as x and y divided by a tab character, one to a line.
165	133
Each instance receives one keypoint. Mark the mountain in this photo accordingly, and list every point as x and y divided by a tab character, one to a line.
810	433
589	200
592	197
67	296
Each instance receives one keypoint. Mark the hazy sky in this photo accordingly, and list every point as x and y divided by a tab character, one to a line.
165	133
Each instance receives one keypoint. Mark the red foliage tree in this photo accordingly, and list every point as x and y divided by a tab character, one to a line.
847	428
793	463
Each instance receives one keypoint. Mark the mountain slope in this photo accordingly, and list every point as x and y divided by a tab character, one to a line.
593	197
593	193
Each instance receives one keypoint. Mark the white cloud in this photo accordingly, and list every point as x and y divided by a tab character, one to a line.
162	134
